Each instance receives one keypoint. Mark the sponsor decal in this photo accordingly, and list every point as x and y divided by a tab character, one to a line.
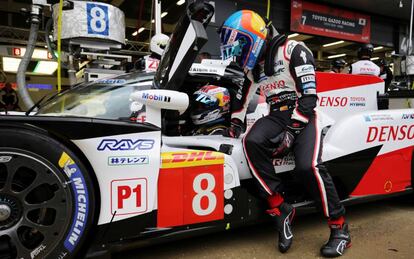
367	69
257	47
338	101
37	251
309	85
191	158
125	144
156	97
303	56
78	185
232	37
127	160
333	101
390	133
266	88
305	79
404	117
378	117
129	196
304	70
309	91
357	101
151	64
287	160
111	81
5	159
290	47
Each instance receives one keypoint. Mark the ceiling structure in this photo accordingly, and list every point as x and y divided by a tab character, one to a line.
390	8
138	14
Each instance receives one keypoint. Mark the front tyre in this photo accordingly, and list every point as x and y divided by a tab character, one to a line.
46	197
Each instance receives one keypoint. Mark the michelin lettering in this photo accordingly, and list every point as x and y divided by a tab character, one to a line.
78	185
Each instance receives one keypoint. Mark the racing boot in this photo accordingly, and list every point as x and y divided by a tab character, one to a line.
339	240
283	217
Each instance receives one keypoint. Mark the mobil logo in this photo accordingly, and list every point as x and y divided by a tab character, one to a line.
156	97
125	144
333	101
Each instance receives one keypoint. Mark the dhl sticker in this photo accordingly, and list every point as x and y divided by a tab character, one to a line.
191	158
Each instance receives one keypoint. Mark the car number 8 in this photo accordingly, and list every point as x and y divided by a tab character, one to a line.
207	192
98	22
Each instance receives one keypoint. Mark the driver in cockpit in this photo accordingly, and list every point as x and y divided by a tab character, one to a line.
210	110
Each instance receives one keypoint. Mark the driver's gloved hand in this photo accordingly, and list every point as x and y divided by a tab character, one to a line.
236	128
286	139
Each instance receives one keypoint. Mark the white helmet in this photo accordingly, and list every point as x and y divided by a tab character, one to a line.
158	43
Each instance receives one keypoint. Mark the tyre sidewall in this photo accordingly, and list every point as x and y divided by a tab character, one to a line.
57	155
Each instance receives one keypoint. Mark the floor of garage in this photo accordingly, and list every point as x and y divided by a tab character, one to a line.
382	229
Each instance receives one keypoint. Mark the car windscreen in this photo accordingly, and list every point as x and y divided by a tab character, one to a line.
104	101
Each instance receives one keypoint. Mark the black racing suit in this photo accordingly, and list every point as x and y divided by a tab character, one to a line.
291	95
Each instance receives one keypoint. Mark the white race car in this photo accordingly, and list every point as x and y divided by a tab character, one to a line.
80	177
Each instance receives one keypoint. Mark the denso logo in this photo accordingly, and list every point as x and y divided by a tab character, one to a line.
390	133
156	97
125	144
332	101
271	86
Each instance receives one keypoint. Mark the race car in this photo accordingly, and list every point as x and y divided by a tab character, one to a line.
81	178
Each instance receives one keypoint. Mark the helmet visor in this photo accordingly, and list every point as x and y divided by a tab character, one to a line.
236	45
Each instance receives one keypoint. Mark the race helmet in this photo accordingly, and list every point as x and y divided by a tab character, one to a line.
366	50
338	63
242	37
210	105
158	43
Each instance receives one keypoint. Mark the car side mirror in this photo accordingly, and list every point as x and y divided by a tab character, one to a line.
157	99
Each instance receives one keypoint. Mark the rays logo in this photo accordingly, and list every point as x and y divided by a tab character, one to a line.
125	144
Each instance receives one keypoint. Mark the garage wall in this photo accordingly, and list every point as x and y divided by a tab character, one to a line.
384	31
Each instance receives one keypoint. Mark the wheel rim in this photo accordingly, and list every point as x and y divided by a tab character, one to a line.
34	205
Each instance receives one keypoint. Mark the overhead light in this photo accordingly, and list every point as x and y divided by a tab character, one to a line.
45	67
180	2
401	4
153	21
375	58
293	35
337	56
40	54
333	43
164	14
378	48
11	64
141	29
135	33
